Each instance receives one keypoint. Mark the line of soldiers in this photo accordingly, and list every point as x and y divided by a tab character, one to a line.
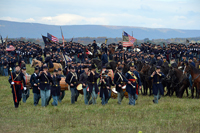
26	51
152	54
46	85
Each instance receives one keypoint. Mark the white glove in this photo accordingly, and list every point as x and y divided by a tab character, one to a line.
24	88
12	83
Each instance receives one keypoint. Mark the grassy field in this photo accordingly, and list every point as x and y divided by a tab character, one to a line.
171	115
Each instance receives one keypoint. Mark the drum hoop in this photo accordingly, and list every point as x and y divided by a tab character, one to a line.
123	86
78	86
114	90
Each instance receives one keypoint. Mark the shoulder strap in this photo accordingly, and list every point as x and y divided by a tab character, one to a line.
71	77
46	77
16	76
120	76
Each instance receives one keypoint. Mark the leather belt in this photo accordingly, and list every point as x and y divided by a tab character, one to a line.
44	82
157	82
55	85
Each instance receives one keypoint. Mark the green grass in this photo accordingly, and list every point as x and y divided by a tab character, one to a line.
171	115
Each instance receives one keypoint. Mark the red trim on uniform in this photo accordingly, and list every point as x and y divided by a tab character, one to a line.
132	80
137	89
19	83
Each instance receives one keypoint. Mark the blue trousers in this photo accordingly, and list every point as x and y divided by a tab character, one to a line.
62	96
25	59
45	94
25	95
86	95
120	96
109	96
157	97
94	96
36	98
5	70
103	100
30	60
55	100
131	99
74	95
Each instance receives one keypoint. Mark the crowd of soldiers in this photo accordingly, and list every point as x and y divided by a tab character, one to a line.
80	69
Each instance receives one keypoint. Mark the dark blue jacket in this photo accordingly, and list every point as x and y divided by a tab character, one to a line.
55	87
44	81
157	85
104	59
34	80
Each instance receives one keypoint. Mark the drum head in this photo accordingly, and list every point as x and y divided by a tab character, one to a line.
124	87
114	90
79	87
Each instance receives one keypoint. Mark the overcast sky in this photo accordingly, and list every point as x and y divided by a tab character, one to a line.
178	14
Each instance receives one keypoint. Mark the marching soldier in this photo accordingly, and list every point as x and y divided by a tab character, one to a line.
104	83
158	90
55	87
84	82
44	85
118	80
48	60
132	87
35	83
72	81
15	80
92	83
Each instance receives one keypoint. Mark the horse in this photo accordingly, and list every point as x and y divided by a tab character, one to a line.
179	82
36	62
112	65
195	73
39	63
145	73
97	62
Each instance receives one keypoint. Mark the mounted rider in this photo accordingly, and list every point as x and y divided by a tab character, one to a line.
48	60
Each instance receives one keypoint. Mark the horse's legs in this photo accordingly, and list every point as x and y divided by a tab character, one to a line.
197	90
144	88
187	91
192	91
172	91
168	89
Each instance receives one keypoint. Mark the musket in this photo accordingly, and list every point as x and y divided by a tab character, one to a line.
13	85
125	78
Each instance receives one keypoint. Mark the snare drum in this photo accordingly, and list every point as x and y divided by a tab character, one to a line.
114	93
63	84
80	88
124	90
27	80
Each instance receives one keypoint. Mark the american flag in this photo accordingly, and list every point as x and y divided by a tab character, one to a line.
52	38
10	48
128	40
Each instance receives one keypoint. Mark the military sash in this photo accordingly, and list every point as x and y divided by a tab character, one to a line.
133	75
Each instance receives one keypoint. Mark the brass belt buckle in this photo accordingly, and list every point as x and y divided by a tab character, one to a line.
157	82
92	82
45	82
